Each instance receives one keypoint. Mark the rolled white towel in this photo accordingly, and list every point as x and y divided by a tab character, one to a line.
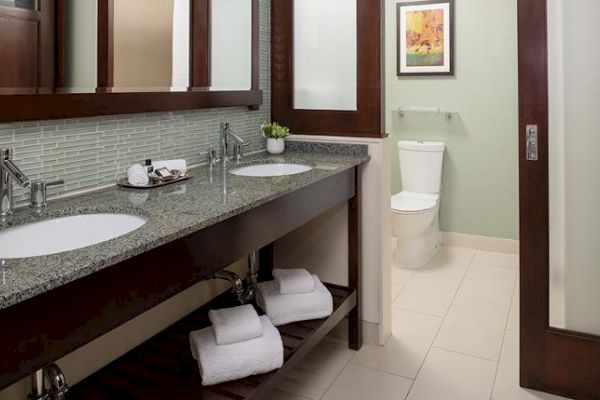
179	165
232	325
138	175
285	309
223	363
294	281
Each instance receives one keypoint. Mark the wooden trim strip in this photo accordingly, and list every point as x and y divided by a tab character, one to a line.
54	106
200	45
105	45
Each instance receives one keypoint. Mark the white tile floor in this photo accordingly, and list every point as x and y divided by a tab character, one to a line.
455	337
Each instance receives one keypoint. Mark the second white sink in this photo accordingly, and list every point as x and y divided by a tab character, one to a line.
65	234
268	170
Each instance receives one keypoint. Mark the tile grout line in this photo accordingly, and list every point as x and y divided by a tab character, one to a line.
383	371
440	327
465	354
401	290
337	376
488	302
503	339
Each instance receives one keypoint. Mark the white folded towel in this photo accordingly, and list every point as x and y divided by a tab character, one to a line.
230	362
138	175
294	281
179	165
232	325
285	309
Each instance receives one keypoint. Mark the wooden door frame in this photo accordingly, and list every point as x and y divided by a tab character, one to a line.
552	360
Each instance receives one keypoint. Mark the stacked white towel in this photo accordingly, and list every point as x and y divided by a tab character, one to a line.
294	281
287	308
138	175
232	325
177	165
223	363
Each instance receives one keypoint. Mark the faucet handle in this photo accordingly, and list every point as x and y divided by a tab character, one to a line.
39	193
212	158
6	154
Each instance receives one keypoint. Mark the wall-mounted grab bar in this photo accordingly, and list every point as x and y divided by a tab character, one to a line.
434	110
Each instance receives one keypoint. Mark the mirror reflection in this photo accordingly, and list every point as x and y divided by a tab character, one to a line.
134	46
27	4
231	44
151	45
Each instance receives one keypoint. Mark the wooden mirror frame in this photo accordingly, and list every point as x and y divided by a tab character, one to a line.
44	105
368	119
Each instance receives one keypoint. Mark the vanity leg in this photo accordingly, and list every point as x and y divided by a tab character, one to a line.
265	263
355	266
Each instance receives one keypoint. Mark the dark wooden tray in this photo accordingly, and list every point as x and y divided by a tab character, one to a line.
125	183
163	368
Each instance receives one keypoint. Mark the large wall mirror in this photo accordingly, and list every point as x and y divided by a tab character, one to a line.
100	47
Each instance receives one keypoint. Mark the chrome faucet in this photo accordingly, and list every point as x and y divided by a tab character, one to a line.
243	290
238	144
8	172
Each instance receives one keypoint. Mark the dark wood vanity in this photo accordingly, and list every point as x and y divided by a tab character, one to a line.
51	325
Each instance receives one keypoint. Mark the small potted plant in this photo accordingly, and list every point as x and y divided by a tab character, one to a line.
275	135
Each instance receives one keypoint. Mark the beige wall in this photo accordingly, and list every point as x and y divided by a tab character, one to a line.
88	359
143	34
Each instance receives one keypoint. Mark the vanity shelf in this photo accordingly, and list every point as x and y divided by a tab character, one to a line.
163	368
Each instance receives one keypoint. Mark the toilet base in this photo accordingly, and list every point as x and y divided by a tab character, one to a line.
414	257
416	250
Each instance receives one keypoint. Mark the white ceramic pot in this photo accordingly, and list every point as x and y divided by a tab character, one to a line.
275	146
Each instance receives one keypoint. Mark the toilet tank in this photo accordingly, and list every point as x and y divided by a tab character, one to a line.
421	166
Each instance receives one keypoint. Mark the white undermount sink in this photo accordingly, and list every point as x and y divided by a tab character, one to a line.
65	234
269	170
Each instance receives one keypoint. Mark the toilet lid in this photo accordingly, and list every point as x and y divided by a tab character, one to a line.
413	202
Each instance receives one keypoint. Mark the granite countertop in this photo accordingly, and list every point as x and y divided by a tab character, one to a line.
172	212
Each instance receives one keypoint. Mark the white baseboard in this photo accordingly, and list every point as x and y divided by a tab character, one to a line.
485	243
370	332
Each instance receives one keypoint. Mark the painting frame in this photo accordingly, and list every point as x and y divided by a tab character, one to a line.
430	63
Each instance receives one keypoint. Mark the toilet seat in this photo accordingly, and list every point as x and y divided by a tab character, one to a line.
414	203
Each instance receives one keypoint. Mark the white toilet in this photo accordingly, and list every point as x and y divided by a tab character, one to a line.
415	210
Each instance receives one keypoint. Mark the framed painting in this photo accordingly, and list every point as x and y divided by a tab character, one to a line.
426	38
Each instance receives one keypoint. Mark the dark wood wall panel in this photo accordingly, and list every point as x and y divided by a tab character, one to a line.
19	50
47	46
27	47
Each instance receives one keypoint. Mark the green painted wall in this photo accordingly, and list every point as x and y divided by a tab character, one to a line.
480	181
